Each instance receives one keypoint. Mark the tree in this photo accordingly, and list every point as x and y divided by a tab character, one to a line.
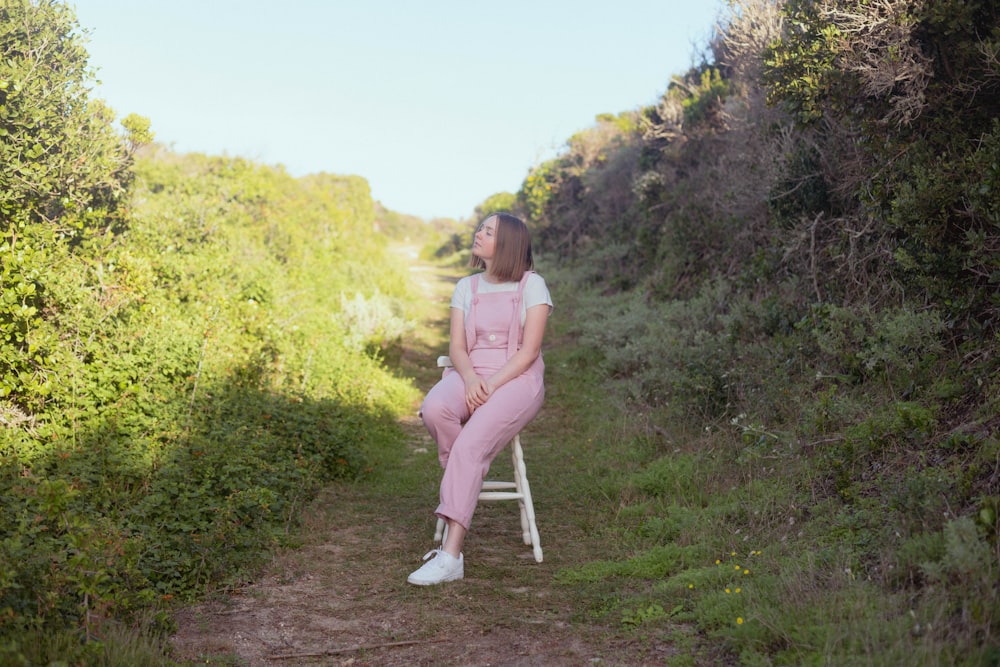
912	89
63	187
501	202
64	164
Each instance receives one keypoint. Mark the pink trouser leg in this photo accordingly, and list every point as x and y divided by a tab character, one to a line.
466	452
444	412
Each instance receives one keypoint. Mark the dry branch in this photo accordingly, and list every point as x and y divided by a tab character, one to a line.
884	54
353	649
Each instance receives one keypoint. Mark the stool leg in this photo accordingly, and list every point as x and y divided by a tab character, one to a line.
527	506
517	456
441	531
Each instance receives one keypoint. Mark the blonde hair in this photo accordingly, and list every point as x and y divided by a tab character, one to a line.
512	255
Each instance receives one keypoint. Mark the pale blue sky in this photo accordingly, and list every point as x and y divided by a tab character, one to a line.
439	103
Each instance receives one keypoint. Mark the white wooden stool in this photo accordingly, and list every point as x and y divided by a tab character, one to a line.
518	490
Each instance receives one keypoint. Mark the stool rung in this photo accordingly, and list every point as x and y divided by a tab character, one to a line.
500	495
491	485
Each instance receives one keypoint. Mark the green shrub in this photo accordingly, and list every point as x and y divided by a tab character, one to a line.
705	92
900	345
373	326
185	388
677	476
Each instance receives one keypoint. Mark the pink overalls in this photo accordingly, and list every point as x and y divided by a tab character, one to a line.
468	444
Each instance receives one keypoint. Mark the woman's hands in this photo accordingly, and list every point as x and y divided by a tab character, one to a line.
477	391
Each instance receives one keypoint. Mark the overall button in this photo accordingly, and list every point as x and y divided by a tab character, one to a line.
493	337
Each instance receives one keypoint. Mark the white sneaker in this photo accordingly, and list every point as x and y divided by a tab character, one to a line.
441	568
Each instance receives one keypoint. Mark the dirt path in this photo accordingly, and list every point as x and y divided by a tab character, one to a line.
341	598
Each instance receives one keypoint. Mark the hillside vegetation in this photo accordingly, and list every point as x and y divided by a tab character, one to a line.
189	347
788	268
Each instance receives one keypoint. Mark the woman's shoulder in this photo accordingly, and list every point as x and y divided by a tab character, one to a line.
462	291
465	282
535	279
536	291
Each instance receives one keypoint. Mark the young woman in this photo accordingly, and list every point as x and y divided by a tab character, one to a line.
495	386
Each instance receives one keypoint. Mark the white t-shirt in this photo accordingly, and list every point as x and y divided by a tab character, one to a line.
536	292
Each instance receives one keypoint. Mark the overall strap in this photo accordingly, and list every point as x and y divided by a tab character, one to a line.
514	333
470	317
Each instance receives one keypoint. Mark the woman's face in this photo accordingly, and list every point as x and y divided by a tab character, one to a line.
485	241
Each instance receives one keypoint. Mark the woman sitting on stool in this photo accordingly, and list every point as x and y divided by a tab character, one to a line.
495	386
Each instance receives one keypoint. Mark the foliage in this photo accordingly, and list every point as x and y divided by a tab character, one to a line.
501	202
204	398
176	380
702	96
788	273
396	225
61	194
899	79
372	325
597	168
675	354
64	164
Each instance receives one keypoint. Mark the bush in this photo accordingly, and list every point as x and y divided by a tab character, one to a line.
181	389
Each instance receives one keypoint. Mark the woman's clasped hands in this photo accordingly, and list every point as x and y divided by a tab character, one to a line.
477	391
